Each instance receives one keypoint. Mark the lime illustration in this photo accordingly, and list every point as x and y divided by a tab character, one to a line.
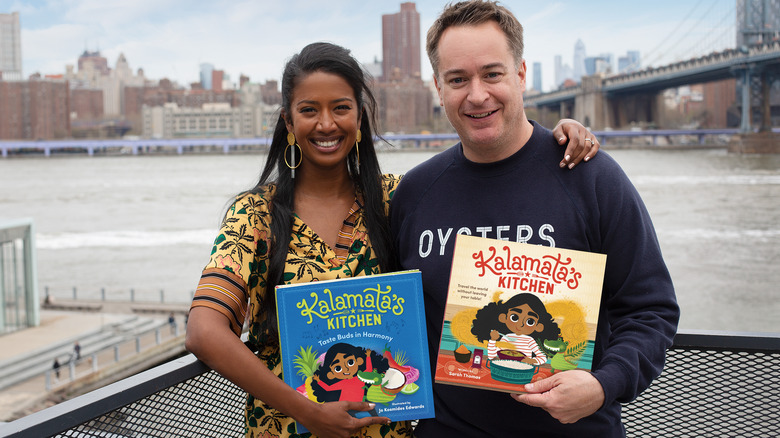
410	388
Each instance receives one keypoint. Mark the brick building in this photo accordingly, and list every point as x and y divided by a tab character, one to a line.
405	102
34	109
86	103
405	106
401	42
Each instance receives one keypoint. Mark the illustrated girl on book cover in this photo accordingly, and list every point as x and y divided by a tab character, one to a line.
522	321
337	379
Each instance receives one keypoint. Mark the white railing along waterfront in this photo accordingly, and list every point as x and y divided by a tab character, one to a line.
260	145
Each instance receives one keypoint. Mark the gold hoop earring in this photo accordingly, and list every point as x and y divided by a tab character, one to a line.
291	142
357	150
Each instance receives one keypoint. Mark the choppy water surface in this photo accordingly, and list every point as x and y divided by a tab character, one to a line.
147	222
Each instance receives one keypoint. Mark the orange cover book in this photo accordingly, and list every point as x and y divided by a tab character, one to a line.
517	313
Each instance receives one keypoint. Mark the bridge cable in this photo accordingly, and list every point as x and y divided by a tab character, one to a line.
700	42
657	48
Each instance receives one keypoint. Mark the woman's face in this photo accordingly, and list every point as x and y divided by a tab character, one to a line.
521	320
344	367
325	117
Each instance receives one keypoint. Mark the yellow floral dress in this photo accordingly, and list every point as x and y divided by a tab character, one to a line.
234	283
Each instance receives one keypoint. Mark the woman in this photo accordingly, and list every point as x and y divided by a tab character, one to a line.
319	211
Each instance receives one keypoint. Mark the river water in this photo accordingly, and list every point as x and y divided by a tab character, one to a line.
146	223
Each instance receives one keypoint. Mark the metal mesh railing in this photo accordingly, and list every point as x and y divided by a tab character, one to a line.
207	405
712	385
713	390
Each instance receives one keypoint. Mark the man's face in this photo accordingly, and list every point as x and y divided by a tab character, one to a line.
481	89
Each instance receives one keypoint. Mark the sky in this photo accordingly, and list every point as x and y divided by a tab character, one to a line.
171	38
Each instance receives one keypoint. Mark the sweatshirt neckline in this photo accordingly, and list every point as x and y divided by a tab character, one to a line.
505	165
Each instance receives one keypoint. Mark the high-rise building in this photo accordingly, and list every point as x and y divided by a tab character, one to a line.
405	102
10	47
537	76
558	70
217	76
579	60
206	75
401	43
597	64
562	72
92	65
629	63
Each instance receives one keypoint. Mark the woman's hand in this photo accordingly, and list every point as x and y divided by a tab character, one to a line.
582	144
333	420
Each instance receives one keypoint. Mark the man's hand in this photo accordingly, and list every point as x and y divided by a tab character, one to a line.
582	144
566	395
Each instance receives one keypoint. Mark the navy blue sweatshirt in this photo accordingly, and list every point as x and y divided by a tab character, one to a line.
528	198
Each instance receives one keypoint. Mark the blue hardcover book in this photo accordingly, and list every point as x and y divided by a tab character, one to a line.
358	339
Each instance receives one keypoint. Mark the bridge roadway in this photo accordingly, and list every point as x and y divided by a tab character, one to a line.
596	93
712	67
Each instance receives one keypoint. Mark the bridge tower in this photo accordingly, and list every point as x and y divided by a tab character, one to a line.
758	22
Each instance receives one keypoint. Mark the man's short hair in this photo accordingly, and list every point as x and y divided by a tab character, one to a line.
472	13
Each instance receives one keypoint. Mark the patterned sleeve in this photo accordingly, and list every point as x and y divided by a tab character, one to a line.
389	184
238	260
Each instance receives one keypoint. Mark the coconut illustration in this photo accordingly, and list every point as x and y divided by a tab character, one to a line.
394	381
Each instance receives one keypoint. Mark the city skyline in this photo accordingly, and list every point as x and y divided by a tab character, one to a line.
171	38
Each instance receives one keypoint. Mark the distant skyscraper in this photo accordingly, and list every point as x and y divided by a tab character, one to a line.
597	64
579	60
609	58
562	71
636	60
94	61
629	63
10	47
401	43
538	76
206	74
590	65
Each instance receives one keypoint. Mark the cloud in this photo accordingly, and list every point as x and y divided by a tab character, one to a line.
171	38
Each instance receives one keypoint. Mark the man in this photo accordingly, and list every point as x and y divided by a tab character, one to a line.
503	181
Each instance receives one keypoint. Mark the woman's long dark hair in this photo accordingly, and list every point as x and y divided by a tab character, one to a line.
327	58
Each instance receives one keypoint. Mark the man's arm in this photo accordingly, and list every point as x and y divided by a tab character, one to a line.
639	313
